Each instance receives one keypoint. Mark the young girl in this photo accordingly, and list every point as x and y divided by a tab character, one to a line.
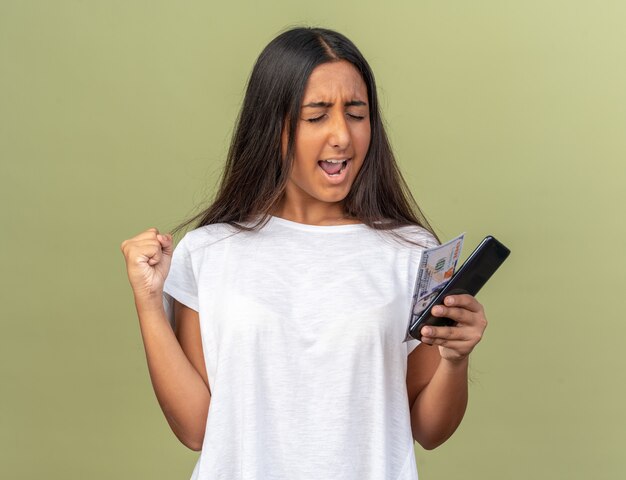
274	332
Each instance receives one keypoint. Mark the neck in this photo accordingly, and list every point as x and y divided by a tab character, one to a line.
333	214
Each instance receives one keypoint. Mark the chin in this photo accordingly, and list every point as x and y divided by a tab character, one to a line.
334	197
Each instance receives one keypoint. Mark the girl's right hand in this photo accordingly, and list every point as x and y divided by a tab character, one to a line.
148	257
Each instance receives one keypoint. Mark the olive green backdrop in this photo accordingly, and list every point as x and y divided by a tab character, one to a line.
508	118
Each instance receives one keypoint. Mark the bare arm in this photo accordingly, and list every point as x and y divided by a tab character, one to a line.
175	359
181	390
437	376
437	403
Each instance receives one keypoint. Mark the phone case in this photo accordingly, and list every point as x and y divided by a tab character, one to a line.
469	278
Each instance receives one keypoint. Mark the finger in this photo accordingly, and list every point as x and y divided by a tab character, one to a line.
467	343
465	300
153	260
144	251
462	348
457	333
147	242
141	237
155	257
146	245
166	243
149	233
444	333
457	314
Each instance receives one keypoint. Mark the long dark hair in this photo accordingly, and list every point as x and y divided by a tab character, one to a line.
256	172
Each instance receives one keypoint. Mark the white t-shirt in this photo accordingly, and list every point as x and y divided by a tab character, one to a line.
302	330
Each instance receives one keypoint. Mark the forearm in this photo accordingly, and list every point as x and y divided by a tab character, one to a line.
179	388
440	406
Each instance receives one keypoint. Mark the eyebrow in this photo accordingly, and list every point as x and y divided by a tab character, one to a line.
351	103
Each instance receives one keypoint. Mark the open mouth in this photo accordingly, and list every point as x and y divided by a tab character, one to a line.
333	168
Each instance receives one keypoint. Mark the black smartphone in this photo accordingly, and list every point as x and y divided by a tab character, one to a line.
470	278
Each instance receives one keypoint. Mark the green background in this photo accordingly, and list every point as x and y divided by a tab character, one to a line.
507	117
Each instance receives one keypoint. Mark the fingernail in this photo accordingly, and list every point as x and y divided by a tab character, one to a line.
437	310
426	331
449	300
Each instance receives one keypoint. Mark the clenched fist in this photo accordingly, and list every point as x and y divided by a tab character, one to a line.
148	257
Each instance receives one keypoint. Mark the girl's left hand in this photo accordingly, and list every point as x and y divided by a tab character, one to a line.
455	343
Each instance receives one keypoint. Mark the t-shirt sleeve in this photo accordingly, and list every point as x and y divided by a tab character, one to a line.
180	283
411	344
429	241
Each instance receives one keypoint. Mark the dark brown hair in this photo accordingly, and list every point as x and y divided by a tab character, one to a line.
256	173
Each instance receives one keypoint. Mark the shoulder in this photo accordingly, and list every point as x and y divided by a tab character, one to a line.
206	236
417	235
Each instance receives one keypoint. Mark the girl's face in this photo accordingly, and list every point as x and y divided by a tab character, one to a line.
334	125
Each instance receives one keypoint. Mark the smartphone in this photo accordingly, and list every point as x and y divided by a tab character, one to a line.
473	274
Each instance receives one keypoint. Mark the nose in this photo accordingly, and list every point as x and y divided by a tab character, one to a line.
339	133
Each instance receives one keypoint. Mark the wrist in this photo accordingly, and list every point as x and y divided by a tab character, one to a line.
455	365
149	303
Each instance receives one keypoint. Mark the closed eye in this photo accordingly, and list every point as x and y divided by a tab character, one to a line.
317	119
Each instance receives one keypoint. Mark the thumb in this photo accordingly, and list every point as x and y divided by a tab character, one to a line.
166	243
